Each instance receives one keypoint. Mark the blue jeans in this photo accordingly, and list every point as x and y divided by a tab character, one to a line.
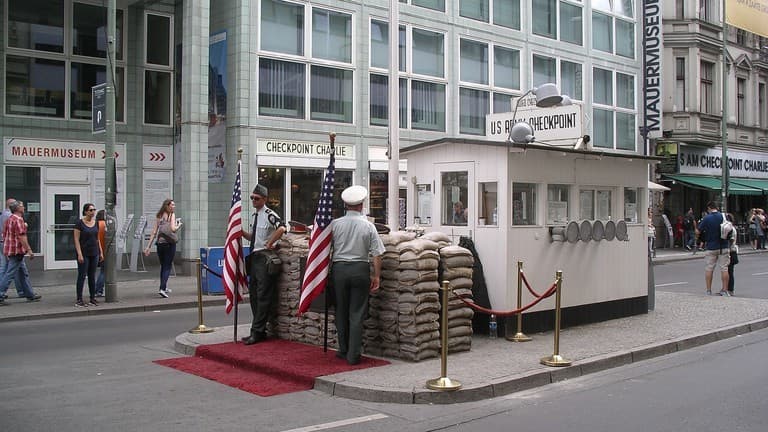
87	268
16	269
18	281
165	252
100	279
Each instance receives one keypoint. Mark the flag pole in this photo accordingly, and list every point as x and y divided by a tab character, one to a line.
237	265
332	139
393	202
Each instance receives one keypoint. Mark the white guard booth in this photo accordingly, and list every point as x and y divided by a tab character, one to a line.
553	208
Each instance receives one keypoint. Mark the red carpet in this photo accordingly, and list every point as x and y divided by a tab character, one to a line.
268	368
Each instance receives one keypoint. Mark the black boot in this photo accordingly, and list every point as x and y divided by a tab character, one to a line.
254	338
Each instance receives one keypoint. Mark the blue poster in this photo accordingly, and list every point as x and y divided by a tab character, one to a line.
217	106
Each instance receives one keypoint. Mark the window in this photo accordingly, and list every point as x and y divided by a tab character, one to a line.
34	86
331	94
630	204
595	204
36	25
438	5
379	187
741	104
274	180
523	204
557	204
427	106
158	73
609	13
707	91
474	62
488	213
282	27
602	32
587	204
502	102
544	16
473	107
506	13
544	70
679	9
614	110
331	35
506	68
281	88
570	23
455	195
380	46
342	179
157	97
158	37
679	101
603	200
89	35
571	80
83	76
741	37
379	101
305	193
428	53
708	10
762	109
475	9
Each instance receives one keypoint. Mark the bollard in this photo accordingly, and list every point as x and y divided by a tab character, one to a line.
201	328
556	359
444	383
520	336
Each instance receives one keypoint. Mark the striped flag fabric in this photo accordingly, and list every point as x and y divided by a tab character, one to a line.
319	259
233	276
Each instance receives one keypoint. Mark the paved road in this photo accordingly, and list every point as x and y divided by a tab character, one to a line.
688	276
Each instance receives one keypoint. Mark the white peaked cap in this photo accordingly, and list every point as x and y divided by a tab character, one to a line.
354	195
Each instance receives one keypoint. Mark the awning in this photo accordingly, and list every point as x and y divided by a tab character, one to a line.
756	184
657	187
714	184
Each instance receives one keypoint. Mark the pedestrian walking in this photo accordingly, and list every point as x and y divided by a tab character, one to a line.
101	220
265	232
15	248
734	258
717	250
689	229
164	233
354	241
4	216
89	254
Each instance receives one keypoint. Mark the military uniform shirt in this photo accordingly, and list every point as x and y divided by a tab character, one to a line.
266	223
354	238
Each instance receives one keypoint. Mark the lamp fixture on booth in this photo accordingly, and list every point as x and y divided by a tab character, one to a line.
547	95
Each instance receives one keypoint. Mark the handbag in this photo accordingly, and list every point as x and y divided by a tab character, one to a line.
167	233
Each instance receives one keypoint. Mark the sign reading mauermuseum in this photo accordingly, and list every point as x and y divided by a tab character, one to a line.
708	161
275	147
549	124
652	56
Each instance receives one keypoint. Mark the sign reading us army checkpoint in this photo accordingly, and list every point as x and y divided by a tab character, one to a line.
562	123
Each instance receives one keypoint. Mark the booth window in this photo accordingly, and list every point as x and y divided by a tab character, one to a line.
523	204
424	204
455	193
557	204
630	204
595	204
488	213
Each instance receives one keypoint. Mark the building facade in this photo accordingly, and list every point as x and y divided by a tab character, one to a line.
196	80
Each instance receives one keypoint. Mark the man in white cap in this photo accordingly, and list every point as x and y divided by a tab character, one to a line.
267	229
354	239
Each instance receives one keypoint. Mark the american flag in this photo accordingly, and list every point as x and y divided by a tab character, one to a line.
318	261
234	268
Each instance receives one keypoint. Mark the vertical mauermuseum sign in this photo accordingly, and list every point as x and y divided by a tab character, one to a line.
652	51
707	161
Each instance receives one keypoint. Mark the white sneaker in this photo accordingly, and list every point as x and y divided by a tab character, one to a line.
163	294
168	290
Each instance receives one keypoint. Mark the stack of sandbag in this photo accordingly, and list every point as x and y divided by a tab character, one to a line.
418	299
457	265
438	237
309	327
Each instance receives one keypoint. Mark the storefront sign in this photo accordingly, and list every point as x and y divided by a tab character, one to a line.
549	124
652	55
707	161
160	157
39	152
269	147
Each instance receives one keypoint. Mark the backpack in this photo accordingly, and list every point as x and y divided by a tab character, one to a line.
688	223
726	229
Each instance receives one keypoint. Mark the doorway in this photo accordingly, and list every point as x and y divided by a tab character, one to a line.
64	208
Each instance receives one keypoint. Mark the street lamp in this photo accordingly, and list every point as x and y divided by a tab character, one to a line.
547	95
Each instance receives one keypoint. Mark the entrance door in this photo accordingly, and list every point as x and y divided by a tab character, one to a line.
64	207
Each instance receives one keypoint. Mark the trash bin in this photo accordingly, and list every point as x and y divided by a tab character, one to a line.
213	257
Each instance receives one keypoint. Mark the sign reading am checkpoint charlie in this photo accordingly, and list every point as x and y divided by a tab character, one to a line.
562	123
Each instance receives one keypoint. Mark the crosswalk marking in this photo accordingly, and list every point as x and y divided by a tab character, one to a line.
338	423
670	284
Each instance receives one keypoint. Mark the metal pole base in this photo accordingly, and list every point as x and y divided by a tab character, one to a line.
443	384
520	337
555	360
202	328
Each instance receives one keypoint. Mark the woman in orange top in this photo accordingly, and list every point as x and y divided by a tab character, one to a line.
101	219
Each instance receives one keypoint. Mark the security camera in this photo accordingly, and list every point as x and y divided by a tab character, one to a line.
582	143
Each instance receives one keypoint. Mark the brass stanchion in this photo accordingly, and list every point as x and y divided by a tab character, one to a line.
201	328
444	383
520	336
556	359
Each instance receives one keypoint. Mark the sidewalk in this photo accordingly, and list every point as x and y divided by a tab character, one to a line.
493	367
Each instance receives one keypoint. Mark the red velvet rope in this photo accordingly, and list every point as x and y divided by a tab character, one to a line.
474	306
527	285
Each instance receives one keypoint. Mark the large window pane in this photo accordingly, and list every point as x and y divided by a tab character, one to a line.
630	204
89	35
544	17
379	44
602	32
557	204
332	35
84	76
438	5
157	97
543	70
602	81
502	103
625	131
379	105
571	80
282	27
36	24
428	106
602	128
379	187
604	205
158	40
625	38
625	91
587	204
331	94
506	64
623	8
473	107
506	13
34	87
523	204
474	62
305	193
570	24
274	180
428	53
475	9
455	196
281	88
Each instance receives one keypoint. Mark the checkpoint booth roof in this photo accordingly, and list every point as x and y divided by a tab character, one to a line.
519	201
